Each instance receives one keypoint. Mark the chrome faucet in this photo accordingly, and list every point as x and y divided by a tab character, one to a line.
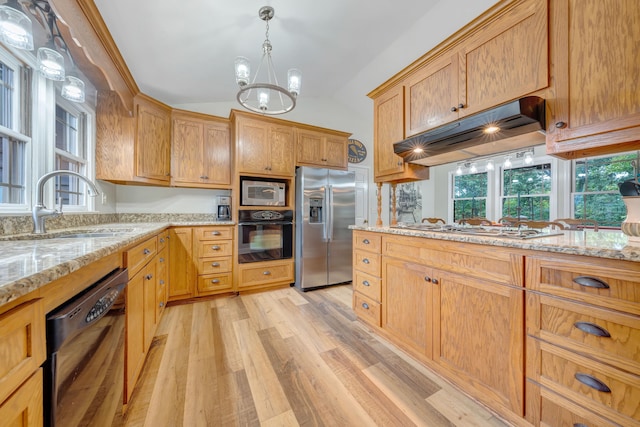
40	211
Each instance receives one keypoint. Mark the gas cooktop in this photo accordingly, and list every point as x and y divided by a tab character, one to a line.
489	231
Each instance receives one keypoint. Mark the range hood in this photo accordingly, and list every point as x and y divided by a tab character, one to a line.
521	124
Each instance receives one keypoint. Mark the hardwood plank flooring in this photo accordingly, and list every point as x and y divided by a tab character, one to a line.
287	358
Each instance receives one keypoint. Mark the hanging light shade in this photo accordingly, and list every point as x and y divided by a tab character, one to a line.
266	96
15	26
73	89
51	64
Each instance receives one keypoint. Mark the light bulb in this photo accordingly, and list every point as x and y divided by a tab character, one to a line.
295	81
473	168
459	170
507	162
51	64
263	99
15	28
490	165
73	89
491	129
528	158
243	71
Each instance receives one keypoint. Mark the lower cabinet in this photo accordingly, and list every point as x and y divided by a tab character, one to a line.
182	272
214	259
25	406
258	275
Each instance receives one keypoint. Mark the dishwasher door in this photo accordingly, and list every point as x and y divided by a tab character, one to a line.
84	371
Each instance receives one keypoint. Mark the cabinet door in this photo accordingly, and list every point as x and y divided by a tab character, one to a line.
432	95
181	276
135	350
407	295
479	336
162	274
253	146
282	159
187	148
153	141
596	105
24	407
336	152
388	129
311	150
506	59
217	154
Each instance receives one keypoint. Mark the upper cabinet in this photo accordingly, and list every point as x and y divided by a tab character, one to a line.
594	106
325	148
132	150
264	147
200	151
505	59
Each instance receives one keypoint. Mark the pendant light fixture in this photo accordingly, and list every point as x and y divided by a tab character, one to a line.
15	26
266	97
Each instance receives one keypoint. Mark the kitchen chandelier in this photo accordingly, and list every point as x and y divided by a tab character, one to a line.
16	31
266	97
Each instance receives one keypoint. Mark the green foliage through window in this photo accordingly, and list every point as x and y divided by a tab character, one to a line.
470	196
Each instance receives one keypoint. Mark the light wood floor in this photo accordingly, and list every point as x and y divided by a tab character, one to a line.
287	358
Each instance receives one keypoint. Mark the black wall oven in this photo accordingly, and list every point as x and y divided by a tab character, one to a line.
264	235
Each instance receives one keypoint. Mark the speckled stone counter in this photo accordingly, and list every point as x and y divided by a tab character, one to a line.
29	261
603	244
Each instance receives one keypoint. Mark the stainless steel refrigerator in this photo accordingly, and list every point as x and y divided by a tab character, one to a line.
325	208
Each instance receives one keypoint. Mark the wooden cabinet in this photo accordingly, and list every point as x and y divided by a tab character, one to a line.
583	326
144	294
594	104
268	274
264	147
322	149
23	349
214	259
367	284
133	150
200	151
182	273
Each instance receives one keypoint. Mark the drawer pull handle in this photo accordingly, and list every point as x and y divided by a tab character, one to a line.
215	281
579	425
149	276
365	306
266	273
365	260
366	283
590	282
215	233
366	241
593	329
146	251
592	382
215	264
215	247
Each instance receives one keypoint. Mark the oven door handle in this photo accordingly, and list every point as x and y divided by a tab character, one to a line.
267	223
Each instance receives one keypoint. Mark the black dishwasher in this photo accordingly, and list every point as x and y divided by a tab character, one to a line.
84	370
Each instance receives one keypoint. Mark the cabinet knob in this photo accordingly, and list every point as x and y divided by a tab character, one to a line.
146	251
149	276
365	306
215	247
454	109
162	282
161	304
162	240
561	125
460	106
366	283
366	260
434	281
204	177
266	273
215	264
427	278
366	241
214	281
161	259
593	382
400	163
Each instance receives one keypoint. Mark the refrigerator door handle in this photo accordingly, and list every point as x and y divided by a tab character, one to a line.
330	219
325	222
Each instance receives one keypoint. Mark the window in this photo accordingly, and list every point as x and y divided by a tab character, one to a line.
470	196
13	143
595	188
71	149
526	192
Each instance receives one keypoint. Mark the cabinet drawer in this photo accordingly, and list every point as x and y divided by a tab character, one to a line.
366	309
554	411
606	390
213	233
215	249
367	285
138	256
22	345
607	283
366	262
214	282
371	242
214	265
611	337
266	274
163	240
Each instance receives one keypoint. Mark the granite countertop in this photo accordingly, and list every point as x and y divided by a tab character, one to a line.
29	261
611	244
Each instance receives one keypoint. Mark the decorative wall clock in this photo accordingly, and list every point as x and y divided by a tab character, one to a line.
356	152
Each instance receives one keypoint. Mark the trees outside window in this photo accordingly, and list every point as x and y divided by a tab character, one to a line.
526	192
470	196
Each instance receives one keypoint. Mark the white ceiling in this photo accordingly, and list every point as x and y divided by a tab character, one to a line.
182	52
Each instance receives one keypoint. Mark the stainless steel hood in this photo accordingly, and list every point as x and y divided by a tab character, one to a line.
521	123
